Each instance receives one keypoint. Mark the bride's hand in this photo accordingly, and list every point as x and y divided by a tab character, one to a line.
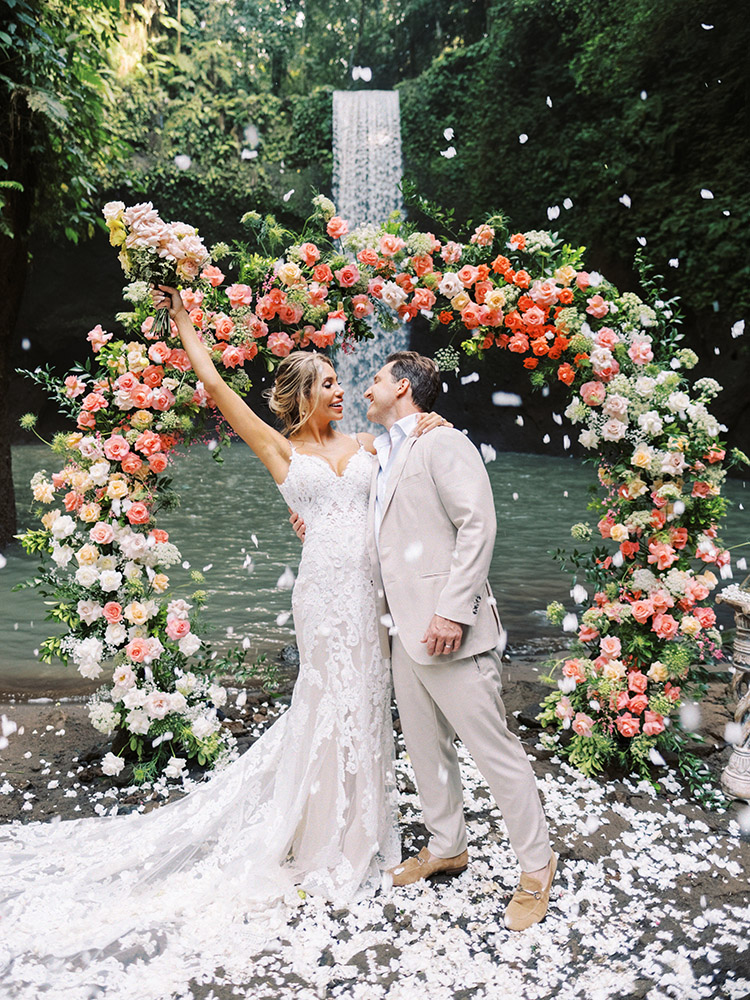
298	524
165	297
428	422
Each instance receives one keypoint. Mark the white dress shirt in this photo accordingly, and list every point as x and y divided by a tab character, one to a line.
387	446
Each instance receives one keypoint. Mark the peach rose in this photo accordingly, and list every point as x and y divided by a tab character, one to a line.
131	463
137	649
390	245
232	357
611	647
112	612
606	337
638	703
640	352
141	396
572	668
148	443
102	533
337	227
627	725
593	393
665	626
637	681
159	352
224	326
587	633
138	513
240	295
642	611
347	275
280	344
597	307
583	724
213	275
157	462
653	724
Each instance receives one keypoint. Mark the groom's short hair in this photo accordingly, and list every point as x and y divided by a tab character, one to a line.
422	374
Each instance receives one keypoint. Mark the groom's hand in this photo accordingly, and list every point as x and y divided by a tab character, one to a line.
443	636
298	524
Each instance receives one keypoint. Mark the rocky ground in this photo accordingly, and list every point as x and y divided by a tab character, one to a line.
650	901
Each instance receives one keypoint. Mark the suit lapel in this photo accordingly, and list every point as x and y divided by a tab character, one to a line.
396	471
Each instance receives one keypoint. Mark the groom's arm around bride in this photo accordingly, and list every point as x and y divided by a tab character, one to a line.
432	531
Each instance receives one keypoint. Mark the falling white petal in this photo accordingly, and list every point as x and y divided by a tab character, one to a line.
523	138
488	453
738	328
286	580
707	194
506	399
471	377
570	623
624	199
553	212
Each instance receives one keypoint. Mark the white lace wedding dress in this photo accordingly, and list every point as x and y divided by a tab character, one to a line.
136	906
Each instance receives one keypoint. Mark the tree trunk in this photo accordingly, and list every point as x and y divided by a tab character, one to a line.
13	269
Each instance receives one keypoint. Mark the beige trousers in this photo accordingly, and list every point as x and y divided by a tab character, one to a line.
438	701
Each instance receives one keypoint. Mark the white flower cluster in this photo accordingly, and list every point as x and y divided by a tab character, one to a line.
537	240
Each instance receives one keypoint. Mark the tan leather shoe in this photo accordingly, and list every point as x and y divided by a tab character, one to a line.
426	865
530	900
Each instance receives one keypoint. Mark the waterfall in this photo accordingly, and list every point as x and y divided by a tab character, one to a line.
366	175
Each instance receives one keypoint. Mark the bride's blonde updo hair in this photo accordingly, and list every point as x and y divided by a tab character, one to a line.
296	390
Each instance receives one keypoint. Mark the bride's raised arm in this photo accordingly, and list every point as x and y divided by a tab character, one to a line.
271	447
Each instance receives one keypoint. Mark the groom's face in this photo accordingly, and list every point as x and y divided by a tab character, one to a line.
382	395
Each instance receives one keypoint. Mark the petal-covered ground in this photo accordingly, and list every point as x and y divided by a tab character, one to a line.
651	898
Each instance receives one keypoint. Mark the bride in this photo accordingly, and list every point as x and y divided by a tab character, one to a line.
141	904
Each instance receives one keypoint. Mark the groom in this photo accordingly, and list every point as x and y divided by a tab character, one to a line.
431	535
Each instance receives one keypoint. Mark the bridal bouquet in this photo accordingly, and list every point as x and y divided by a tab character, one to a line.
154	251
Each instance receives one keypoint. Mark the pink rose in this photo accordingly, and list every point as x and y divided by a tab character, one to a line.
138	513
347	275
665	626
572	668
661	554
141	396
638	703
564	709
112	612
361	306
390	245
162	399
606	338
640	352
470	316
213	275
309	253
323	338
223	325
375	287
583	280
336	228
116	448
102	533
232	357
159	352
97	338
593	393
423	299
74	386
157	462
131	463
637	681
642	611
239	295
468	275
628	725
177	628
291	313
653	724
280	344
178	359
138	649
191	299
93	402
706	616
583	724
148	443
597	307
587	633
611	647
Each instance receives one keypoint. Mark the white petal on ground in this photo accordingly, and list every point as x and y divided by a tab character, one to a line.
283	618
506	399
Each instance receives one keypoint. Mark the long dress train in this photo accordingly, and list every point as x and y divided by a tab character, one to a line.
137	905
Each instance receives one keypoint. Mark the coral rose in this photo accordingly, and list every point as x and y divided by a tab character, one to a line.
653	724
627	725
112	612
337	227
213	275
665	626
637	681
583	724
138	513
280	343
157	462
116	448
638	703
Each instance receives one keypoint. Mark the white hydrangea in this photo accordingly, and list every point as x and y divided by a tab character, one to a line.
576	411
537	239
103	717
165	554
644	579
675	581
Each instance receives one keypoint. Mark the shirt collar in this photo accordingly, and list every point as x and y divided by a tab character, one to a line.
400	430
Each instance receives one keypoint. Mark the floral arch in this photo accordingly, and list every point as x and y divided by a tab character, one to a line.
655	555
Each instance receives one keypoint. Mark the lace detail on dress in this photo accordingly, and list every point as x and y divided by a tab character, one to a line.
138	905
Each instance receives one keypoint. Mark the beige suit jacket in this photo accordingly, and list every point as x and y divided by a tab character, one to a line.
436	540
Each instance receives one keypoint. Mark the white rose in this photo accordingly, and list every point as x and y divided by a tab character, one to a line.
204	726
645	386
178	609
614	430
115	635
89	669
135	698
189	644
450	285
155	649
157	704
177	703
106	562
673	463
123	676
393	295
186	683
137	721
87	576
89	611
99	473
63	526
616	406
650	422
601	358
62	554
110	580
133	571
112	764
678	402
588	438
217	695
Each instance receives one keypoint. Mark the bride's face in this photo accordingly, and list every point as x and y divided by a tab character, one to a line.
330	398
